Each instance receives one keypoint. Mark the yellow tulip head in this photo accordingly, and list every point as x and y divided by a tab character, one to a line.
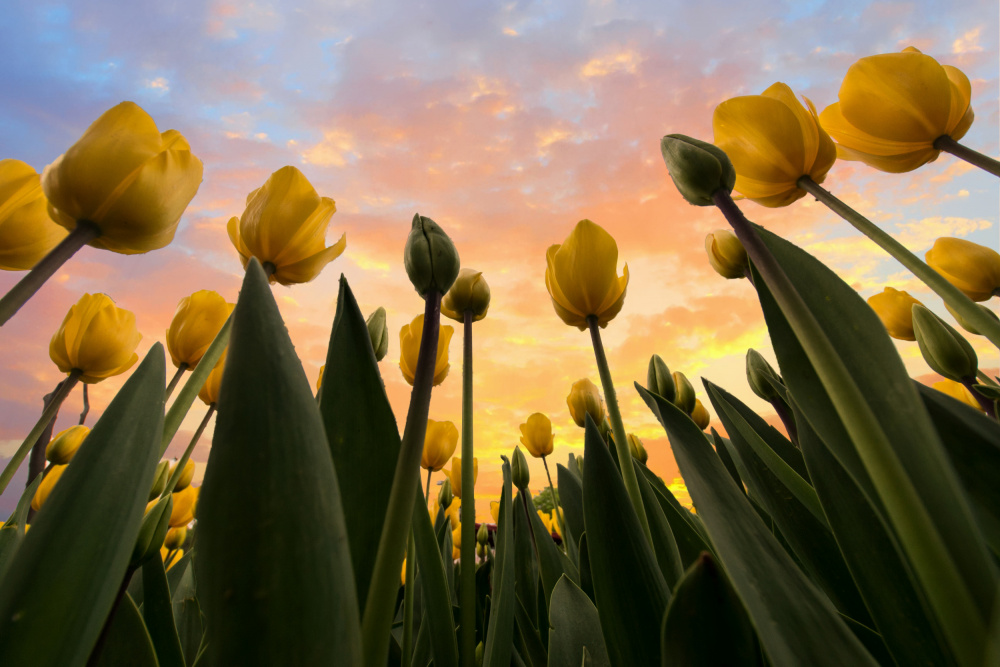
582	276
209	392
187	474
536	435
97	338
772	141
284	226
700	415
957	391
378	332
684	397
455	475
160	478
894	106
584	399
63	447
636	447
196	322
895	309
175	537
45	488
27	233
127	178
440	442
456	536
319	378
972	268
164	552
409	349
468	292
453	511
185	503
495	510
726	254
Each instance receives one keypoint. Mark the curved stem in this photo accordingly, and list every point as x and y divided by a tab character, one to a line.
555	502
174	380
973	157
179	466
84	233
467	603
408	603
951	295
617	427
427	489
86	406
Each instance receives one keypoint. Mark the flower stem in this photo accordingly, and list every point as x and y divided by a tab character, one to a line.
785	415
179	467
427	489
61	392
86	406
984	403
951	295
467	603
408	603
984	162
617	427
555	503
174	380
377	617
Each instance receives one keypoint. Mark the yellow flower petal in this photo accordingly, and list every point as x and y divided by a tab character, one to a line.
27	233
581	276
97	338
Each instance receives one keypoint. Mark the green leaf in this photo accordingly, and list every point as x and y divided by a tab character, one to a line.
13	529
795	622
157	612
705	624
727	460
526	639
499	636
552	562
664	544
687	533
575	627
362	433
180	576
571	499
190	627
434	587
127	642
273	565
76	554
630	589
586	577
525	565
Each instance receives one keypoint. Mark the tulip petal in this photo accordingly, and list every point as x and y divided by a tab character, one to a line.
762	138
306	269
586	266
275	212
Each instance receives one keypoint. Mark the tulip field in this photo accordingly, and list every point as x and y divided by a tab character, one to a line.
863	531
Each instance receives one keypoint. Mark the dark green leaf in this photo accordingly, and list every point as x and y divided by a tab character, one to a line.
178	573
586	578
687	533
499	636
575	628
525	565
727	460
127	642
157	612
190	627
571	498
434	588
664	544
12	531
552	563
526	639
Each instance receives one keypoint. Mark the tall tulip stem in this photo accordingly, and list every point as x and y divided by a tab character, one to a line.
179	467
951	295
408	591
86	406
467	603
555	501
377	617
617	427
427	489
973	157
84	233
174	380
51	408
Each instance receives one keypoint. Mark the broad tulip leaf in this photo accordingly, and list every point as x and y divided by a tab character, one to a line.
727	460
273	565
571	499
76	554
190	627
575	627
664	544
525	564
500	633
586	577
362	433
526	640
552	563
687	535
434	588
629	586
127	641
796	623
180	574
12	531
158	613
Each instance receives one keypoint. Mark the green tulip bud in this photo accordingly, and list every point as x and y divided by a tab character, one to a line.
483	534
964	324
379	333
635	446
152	532
519	470
445	495
758	370
944	349
698	168
430	258
685	397
658	378
160	479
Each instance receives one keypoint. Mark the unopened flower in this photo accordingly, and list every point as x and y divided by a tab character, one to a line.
584	398
726	254
957	391
455	474
96	338
440	442
64	446
582	277
468	292
972	268
409	349
895	309
536	435
27	233
196	323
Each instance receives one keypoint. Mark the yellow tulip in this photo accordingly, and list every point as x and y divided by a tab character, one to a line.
700	415
455	474
319	379
895	309
439	444
636	447
196	323
97	338
894	106
187	474
726	254
456	536
972	268
164	552
583	399
402	575
550	524
209	392
63	447
175	537
582	276
27	233
453	510
536	435
773	141
126	178
45	488
495	510
409	349
285	225
185	502
468	292
957	391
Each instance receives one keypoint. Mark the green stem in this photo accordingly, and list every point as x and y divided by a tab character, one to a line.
379	606
617	427
985	404
179	467
408	603
956	610
427	490
984	162
174	380
951	295
86	406
985	379
19	294
62	391
555	503
467	575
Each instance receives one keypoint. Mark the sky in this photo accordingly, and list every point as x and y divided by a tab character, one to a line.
504	122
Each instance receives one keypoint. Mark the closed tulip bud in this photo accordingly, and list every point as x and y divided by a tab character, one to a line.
284	226
152	532
700	415
445	494
684	398
972	268
63	447
469	293
430	258
175	537
409	350
196	323
635	446
481	551
45	488
209	392
658	378
160	478
895	309
455	475
584	399
758	370
187	474
965	324
697	168
440	442
379	333
958	391
27	233
943	348
519	473
536	435
185	503
483	534
582	277
126	178
96	338
726	254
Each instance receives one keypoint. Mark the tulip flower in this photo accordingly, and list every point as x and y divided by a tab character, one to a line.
452	511
165	552
550	525
972	268
402	574
185	502
209	392
659	379
893	107
584	398
772	141
409	349
27	233
895	309
378	332
45	488
726	254
284	226
187	474
175	537
430	257
683	392
581	275
536	435
636	447
468	292
196	323
440	442
96	338
64	446
957	391
495	510
455	474
519	473
700	415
